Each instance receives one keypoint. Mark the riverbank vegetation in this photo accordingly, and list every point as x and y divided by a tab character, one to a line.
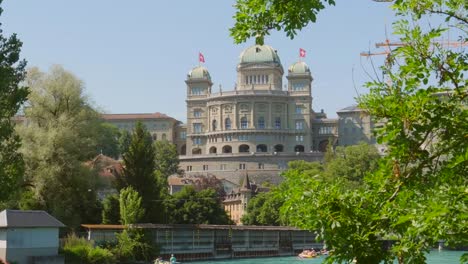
417	195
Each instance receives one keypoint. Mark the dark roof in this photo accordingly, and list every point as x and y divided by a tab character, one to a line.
156	115
28	218
187	226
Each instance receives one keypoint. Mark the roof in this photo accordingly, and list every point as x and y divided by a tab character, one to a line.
199	72
187	226
259	54
28	218
156	115
299	67
352	108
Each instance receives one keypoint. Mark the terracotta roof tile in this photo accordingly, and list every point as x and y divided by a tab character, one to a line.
156	115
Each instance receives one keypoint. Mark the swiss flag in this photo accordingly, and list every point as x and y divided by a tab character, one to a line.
302	53
201	58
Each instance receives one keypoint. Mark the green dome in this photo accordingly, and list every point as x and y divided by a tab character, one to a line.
299	67
199	72
259	54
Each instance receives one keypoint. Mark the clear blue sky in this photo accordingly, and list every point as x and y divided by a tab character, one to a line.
133	56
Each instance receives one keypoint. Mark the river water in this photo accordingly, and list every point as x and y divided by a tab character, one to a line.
435	257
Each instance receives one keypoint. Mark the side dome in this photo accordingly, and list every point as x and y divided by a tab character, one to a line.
259	54
199	72
299	67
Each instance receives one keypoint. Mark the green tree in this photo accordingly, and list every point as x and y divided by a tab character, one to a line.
108	140
263	209
131	210
256	18
59	136
418	194
139	173
12	96
352	162
111	210
167	158
124	141
191	207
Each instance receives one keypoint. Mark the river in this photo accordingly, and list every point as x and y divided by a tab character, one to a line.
434	257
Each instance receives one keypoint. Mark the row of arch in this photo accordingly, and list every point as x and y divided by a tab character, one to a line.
246	149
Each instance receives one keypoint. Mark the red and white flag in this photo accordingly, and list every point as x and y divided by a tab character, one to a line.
302	53
201	58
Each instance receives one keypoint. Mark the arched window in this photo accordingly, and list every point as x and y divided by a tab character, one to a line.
278	148
163	136
244	123
196	151
183	150
261	122
155	137
278	123
244	148
213	150
213	125
299	148
227	123
262	148
227	149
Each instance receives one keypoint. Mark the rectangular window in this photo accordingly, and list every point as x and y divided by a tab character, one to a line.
242	166
223	167
197	113
205	167
197	141
299	125
228	138
299	109
298	86
197	91
261	166
278	123
197	127
244	123
189	168
261	123
243	137
299	138
183	135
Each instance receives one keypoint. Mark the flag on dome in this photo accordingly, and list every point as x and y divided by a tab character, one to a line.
201	58
302	53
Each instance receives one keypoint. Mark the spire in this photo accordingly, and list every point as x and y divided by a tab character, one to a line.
246	183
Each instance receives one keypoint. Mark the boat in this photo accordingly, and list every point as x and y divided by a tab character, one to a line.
308	254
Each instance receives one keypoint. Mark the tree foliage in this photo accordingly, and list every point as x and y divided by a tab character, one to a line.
108	140
417	196
12	96
191	207
166	158
263	209
139	173
111	210
131	210
256	18
59	135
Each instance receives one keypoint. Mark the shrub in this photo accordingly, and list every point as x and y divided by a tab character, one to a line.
79	250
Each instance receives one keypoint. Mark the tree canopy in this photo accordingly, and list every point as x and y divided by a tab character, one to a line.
191	207
59	136
417	194
12	96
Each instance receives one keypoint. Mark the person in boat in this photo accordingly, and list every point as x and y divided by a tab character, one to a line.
173	259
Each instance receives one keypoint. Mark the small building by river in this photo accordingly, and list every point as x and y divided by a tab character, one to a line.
29	237
197	242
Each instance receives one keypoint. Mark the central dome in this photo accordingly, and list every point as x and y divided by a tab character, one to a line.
259	54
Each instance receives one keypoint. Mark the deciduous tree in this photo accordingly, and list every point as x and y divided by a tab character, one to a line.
59	135
12	96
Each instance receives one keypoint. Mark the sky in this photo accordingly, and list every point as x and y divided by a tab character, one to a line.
134	56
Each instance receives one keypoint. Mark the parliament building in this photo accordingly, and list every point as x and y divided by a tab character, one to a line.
253	129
